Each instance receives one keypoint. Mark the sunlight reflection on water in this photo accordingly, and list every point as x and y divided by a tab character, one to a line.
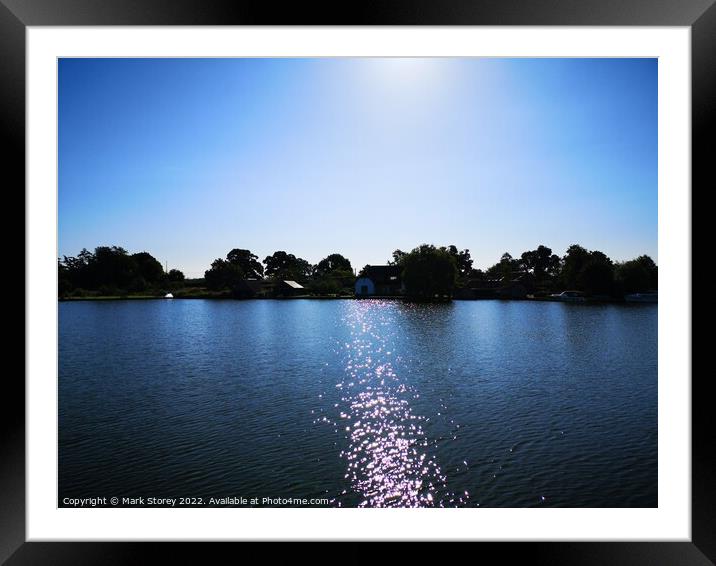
388	457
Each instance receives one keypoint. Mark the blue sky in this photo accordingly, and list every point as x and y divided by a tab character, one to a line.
189	158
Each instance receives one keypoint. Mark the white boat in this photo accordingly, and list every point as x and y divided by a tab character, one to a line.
168	296
642	298
569	297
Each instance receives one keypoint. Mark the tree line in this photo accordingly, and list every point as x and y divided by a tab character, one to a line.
111	270
332	275
427	271
592	272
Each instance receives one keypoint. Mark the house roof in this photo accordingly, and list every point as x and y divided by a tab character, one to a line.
383	274
293	285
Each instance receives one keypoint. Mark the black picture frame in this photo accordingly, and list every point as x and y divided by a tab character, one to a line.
16	15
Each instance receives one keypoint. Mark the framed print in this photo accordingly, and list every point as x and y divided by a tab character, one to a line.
292	277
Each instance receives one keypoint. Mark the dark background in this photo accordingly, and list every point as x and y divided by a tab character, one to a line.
15	15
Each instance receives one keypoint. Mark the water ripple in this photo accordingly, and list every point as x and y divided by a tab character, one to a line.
367	403
388	457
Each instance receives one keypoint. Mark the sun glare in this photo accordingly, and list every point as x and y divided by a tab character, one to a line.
405	74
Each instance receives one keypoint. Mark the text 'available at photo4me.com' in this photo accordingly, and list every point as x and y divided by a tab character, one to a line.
226	501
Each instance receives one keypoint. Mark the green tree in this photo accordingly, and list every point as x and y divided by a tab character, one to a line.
246	262
282	265
463	262
326	286
332	274
640	274
397	256
429	273
334	264
175	275
572	264
478	275
537	261
647	263
77	271
596	277
64	282
554	266
223	275
540	267
504	269
112	269
148	268
109	270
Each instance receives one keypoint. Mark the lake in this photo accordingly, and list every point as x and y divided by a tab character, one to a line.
360	402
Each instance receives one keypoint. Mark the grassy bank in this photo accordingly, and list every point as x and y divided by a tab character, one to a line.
203	293
192	293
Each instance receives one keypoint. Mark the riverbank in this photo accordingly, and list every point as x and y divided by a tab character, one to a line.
226	296
214	295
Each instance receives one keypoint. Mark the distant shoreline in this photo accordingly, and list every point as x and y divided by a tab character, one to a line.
589	301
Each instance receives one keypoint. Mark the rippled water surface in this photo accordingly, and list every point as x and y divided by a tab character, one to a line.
364	403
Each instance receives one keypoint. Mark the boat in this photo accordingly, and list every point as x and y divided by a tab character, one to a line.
168	296
569	297
651	297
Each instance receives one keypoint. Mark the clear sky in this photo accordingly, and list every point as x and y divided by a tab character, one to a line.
189	158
